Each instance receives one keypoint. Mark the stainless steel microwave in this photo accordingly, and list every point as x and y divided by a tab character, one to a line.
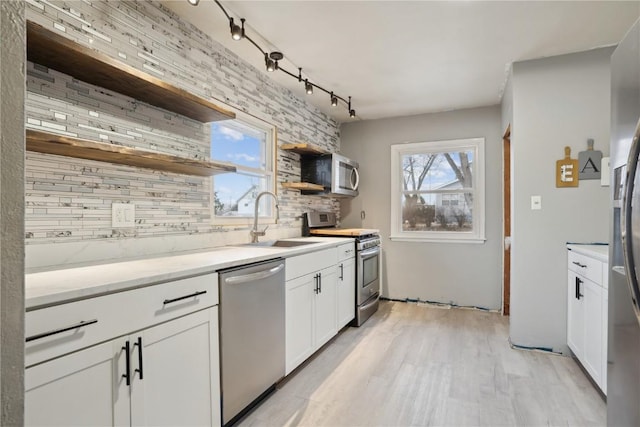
337	174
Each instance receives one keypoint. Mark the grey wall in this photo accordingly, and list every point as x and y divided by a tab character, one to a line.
11	212
465	274
556	101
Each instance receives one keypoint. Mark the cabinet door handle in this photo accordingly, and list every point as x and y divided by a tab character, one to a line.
127	358
139	345
578	294
315	288
319	283
195	294
61	330
341	271
580	265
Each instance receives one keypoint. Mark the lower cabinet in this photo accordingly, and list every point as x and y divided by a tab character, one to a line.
163	375
587	312
310	315
346	290
78	389
147	356
174	373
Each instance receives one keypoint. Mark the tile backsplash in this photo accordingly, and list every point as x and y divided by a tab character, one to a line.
68	201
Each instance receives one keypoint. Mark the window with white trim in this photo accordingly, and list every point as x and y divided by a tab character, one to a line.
249	144
437	191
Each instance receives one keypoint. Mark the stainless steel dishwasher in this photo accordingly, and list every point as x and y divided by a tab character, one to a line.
252	335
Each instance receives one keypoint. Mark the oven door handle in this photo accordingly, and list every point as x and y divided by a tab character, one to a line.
370	252
375	300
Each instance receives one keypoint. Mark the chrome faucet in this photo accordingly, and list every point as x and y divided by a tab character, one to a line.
254	231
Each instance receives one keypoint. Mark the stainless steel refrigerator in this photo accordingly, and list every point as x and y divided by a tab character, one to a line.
623	373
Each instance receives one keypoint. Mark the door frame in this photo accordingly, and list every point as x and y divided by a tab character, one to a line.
506	220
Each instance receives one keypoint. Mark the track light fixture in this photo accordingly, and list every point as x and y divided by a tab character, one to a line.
194	2
271	60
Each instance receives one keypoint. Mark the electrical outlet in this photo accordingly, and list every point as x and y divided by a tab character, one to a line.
123	215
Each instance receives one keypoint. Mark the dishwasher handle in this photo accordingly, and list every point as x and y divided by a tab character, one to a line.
251	277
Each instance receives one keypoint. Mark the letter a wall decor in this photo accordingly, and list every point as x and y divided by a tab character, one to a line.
567	170
589	162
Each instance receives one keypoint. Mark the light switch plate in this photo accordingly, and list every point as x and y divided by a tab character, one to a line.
123	215
536	203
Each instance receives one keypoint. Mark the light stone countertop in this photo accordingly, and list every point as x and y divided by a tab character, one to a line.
70	284
599	252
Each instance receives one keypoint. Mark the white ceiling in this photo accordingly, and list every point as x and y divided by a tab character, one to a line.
399	58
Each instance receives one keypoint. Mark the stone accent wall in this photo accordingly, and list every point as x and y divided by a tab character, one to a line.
69	200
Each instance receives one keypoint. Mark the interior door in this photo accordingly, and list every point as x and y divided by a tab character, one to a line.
506	191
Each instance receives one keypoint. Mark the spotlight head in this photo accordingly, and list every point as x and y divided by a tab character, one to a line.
237	32
193	2
269	64
308	87
334	100
352	113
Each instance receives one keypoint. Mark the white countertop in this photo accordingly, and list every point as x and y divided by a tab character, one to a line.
599	252
58	286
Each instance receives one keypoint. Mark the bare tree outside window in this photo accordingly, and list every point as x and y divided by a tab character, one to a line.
434	193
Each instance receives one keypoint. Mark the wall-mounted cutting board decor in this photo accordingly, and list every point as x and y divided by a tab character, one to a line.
589	162
567	170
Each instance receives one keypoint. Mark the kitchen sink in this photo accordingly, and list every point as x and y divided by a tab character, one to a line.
279	243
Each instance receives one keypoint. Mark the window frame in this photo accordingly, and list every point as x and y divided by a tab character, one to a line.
477	235
270	171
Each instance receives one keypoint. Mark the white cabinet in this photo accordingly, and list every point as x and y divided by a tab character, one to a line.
346	288
312	300
310	315
180	361
587	312
163	374
78	389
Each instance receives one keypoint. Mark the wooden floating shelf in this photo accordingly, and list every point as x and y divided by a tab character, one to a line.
304	148
44	142
303	186
54	51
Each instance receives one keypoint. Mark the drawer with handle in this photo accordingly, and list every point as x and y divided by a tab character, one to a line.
346	251
586	266
57	330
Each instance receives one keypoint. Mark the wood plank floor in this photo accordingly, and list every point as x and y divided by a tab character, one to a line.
413	365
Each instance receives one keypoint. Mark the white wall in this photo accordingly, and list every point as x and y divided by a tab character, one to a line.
556	101
11	212
465	274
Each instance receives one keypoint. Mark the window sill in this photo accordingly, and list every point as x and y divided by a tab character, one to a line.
466	240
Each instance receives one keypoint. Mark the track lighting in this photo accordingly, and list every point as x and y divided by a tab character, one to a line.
271	60
237	32
194	2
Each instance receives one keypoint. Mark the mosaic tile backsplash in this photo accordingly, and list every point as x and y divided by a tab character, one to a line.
69	200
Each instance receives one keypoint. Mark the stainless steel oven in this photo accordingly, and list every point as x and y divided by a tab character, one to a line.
367	259
367	278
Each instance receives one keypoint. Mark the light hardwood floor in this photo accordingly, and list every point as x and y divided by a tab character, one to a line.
413	365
